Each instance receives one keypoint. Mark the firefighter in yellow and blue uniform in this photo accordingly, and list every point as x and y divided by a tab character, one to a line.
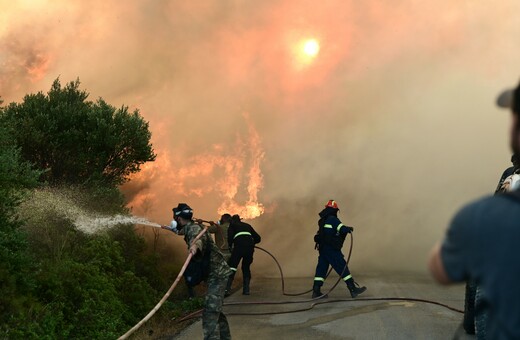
241	239
329	241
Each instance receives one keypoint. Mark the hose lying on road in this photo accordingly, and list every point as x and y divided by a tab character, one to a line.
314	302
167	295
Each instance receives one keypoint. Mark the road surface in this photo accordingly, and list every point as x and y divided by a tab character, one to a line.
347	320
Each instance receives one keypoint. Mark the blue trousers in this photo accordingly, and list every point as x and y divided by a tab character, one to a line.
333	257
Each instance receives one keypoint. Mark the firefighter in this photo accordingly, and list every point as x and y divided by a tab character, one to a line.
241	239
329	241
214	322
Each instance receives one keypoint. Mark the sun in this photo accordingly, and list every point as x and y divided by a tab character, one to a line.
311	48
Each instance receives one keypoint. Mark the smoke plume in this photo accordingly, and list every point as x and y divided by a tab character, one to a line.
393	118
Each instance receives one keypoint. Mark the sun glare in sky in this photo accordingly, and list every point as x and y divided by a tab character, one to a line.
311	47
305	52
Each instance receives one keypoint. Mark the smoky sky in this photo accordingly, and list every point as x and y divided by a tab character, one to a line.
394	118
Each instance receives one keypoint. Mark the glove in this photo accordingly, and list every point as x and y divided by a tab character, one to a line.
317	238
350	229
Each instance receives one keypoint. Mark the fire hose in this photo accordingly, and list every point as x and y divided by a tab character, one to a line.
167	295
315	302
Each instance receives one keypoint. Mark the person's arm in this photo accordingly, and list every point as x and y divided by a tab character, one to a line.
450	260
437	267
342	229
255	235
191	234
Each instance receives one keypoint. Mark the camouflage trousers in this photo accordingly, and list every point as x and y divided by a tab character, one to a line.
214	322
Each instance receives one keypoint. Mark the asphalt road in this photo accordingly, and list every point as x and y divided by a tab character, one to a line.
350	319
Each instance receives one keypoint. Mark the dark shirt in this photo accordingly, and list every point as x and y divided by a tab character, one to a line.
241	234
483	244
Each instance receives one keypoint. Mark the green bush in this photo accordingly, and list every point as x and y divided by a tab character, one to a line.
15	263
76	140
56	281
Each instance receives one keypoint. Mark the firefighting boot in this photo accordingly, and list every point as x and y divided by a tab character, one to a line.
245	287
191	292
228	286
316	291
354	288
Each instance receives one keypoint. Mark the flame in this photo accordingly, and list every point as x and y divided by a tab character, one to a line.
232	173
252	208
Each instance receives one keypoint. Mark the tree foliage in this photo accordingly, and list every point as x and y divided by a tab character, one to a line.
57	282
76	140
15	263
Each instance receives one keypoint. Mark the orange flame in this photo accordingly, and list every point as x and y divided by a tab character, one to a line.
233	173
252	208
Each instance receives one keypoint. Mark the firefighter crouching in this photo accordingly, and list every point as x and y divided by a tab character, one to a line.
241	240
329	240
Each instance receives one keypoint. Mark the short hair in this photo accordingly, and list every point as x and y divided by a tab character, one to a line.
225	218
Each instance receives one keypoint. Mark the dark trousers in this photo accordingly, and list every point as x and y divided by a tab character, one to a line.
244	254
333	257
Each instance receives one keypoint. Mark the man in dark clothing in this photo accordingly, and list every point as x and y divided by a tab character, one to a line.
475	323
481	244
329	239
241	240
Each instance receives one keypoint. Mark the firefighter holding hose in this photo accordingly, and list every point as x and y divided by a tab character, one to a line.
214	322
329	241
241	239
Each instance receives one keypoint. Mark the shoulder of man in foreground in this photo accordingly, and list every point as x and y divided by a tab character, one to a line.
450	260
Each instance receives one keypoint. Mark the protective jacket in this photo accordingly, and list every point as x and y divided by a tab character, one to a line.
331	232
242	235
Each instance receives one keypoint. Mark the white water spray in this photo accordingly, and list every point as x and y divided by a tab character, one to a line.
93	224
49	202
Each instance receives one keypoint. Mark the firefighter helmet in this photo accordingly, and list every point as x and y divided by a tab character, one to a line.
183	210
332	204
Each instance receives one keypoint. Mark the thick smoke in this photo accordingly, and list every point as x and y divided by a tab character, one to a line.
394	118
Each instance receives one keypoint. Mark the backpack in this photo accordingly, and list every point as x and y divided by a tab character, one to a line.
198	269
